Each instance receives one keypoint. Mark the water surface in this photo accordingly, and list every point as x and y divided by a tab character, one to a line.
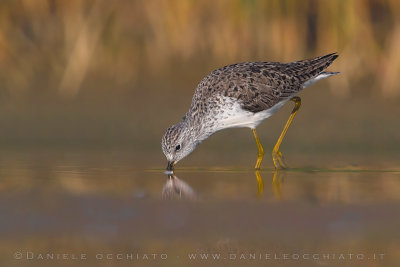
99	203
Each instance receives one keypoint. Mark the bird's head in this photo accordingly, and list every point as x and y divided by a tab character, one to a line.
177	143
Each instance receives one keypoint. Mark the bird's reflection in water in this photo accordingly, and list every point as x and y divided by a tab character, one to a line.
277	179
175	188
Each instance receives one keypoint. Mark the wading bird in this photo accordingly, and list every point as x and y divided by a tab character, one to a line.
243	95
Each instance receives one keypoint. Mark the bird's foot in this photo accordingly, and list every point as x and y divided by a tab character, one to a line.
258	164
278	159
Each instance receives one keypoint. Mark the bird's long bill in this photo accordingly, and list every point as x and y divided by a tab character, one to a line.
170	166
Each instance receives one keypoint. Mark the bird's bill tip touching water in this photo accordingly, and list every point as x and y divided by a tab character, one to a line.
169	173
170	166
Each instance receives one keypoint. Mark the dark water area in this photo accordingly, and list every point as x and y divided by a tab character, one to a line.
103	206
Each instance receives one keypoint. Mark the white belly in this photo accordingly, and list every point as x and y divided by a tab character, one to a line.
235	116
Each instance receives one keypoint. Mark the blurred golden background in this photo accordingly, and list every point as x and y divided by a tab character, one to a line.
117	73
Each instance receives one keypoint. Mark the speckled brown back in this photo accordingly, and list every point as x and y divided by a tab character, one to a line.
259	85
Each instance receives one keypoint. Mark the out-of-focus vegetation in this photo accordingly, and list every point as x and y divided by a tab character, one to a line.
105	72
55	46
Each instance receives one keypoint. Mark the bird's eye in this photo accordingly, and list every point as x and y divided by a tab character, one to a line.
178	147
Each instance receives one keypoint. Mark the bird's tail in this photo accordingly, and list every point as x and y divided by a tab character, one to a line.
312	70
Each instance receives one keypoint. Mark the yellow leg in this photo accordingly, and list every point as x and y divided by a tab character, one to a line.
260	153
277	156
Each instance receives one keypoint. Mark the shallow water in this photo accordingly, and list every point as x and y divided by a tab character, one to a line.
103	206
